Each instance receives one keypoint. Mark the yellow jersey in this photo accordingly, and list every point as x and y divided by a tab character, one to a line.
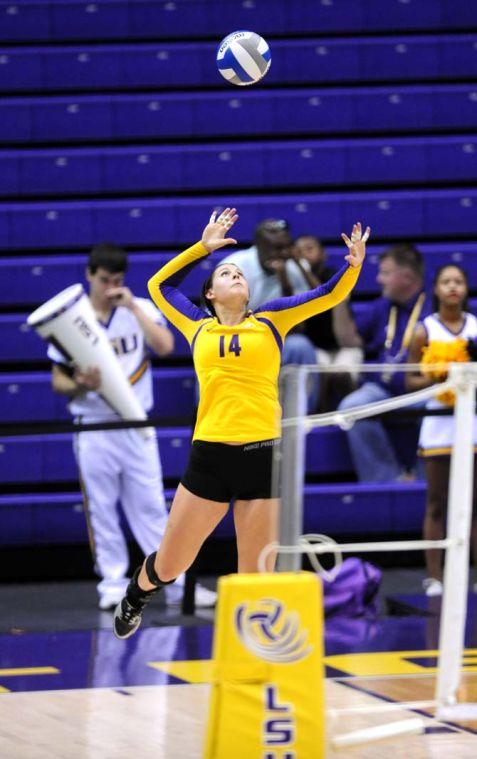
238	366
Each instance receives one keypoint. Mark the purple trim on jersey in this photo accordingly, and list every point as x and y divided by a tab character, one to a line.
274	330
450	331
110	318
291	301
192	345
182	304
169	291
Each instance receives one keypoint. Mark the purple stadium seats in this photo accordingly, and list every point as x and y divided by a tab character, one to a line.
326	453
172	65
351	509
83	68
50	457
387	160
25	281
456	107
279	164
16	117
148	19
399	109
142	169
27	396
452	156
410	58
21	344
20	69
64	119
71	19
307	163
25	21
42	277
55	172
364	508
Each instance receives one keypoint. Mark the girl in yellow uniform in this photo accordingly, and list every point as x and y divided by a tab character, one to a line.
236	356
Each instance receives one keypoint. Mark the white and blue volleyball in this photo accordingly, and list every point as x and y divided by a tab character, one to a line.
243	58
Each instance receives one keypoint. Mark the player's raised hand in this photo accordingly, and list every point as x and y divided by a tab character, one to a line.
213	236
357	244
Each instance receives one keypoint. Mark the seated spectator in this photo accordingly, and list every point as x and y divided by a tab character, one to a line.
336	339
272	272
386	329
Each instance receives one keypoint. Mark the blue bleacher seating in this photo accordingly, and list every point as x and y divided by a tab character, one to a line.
27	396
50	457
20	343
25	281
414	213
304	163
350	509
79	20
69	118
172	65
145	19
219	114
57	173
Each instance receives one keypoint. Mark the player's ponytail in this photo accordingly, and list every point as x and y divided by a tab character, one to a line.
205	302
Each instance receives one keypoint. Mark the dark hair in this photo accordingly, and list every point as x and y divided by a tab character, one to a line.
268	226
204	301
407	256
435	299
315	239
108	256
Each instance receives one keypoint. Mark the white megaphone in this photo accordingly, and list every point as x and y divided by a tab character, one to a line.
68	322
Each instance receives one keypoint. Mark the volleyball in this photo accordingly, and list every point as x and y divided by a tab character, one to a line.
243	58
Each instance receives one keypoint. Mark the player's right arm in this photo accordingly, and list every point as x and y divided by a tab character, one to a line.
163	286
74	382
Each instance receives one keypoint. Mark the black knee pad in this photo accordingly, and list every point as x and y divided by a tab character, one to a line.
152	575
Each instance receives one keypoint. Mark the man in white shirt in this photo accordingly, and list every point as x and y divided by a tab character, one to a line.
119	465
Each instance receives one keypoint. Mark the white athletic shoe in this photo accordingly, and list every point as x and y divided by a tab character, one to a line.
110	601
432	587
204	598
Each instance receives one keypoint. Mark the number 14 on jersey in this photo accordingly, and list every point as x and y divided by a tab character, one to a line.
233	347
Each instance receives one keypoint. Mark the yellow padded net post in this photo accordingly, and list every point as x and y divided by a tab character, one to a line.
267	699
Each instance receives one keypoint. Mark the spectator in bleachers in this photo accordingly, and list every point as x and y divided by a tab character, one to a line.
443	336
119	465
386	328
272	271
336	339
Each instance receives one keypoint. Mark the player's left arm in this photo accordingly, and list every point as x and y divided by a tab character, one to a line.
285	313
158	336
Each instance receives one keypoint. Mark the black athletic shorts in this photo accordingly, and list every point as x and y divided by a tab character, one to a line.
221	472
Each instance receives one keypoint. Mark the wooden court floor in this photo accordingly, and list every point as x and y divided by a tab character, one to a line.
168	721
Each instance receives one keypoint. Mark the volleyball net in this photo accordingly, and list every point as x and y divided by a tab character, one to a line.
289	473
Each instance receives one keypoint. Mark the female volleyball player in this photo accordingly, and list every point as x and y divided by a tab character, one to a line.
441	337
237	359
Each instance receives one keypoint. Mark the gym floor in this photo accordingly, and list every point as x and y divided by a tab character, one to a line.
54	640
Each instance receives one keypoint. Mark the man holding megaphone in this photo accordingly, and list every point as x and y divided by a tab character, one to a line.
117	465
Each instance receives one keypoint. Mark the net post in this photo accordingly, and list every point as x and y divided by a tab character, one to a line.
456	570
289	464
